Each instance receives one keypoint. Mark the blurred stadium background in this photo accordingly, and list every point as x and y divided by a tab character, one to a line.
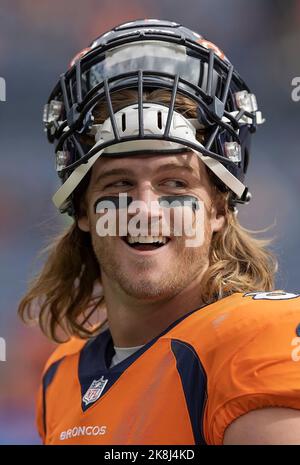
37	41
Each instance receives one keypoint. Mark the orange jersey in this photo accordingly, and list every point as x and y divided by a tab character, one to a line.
185	386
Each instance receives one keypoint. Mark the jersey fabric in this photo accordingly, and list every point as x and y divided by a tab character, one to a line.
185	386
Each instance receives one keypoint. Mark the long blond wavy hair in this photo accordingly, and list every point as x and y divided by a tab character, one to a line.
62	297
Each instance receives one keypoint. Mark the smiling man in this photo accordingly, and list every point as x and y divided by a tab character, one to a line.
140	270
175	335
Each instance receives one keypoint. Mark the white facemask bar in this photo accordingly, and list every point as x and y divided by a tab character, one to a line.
155	117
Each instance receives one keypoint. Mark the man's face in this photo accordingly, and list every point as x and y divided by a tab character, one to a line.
148	272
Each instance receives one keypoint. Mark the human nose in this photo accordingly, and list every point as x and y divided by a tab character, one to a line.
146	203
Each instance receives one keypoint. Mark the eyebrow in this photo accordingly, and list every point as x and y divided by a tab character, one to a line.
114	172
170	166
128	172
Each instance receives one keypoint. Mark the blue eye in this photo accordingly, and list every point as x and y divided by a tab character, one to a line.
174	183
122	183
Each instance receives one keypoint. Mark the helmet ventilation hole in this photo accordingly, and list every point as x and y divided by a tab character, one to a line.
123	122
159	120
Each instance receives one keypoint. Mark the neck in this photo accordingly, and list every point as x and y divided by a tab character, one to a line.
134	322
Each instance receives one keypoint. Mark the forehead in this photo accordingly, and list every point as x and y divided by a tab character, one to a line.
149	165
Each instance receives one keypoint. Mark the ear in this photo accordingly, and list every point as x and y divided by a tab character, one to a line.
81	203
83	223
217	216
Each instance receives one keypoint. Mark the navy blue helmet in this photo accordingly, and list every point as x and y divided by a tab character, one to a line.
147	55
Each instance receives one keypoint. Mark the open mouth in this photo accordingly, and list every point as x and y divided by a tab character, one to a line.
144	243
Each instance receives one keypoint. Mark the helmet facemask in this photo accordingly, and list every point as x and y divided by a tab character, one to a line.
226	110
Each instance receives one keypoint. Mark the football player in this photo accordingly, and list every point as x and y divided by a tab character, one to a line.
169	342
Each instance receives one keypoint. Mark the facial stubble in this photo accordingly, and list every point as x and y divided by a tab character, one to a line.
151	279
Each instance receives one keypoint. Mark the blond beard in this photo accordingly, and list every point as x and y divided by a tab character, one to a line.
192	262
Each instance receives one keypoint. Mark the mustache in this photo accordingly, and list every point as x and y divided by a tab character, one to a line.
180	215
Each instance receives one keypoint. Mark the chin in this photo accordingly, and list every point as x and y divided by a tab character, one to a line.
147	289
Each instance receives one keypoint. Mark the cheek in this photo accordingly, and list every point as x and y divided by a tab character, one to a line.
105	228
102	224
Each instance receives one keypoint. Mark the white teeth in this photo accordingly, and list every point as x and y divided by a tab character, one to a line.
146	239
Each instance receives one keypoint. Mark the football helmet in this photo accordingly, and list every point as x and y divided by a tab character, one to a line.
147	55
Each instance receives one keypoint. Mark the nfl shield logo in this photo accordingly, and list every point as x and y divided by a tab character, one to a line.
94	391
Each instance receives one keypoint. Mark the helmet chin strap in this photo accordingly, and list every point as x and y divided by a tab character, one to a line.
64	192
154	123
